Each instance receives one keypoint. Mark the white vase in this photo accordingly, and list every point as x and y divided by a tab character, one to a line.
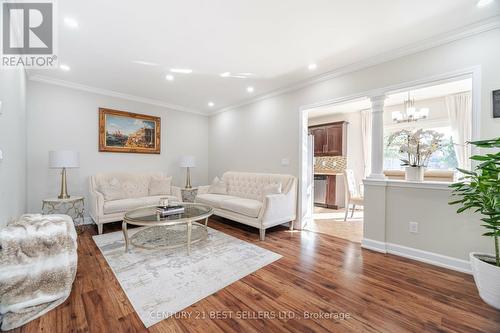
414	174
487	278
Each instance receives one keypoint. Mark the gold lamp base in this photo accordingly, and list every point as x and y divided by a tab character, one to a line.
188	179
64	187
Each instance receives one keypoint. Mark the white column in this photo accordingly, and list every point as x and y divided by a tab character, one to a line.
377	157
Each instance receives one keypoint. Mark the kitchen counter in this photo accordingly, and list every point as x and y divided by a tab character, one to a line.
327	173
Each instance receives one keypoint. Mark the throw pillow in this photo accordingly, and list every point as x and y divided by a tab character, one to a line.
112	190
218	186
160	186
271	189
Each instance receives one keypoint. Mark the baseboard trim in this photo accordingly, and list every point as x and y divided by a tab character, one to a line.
374	245
432	258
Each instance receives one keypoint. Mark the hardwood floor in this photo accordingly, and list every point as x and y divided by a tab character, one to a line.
318	275
331	222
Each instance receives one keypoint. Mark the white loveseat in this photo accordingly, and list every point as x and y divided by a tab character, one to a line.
246	200
113	194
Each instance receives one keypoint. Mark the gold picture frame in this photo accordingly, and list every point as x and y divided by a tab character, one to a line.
127	132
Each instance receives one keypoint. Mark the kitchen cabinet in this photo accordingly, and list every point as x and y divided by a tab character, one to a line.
331	184
319	140
329	139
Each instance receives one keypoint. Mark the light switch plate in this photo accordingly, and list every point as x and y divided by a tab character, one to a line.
1	110
1	155
285	162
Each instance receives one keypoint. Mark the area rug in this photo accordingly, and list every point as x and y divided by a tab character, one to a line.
162	282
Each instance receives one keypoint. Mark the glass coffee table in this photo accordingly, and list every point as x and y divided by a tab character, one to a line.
167	231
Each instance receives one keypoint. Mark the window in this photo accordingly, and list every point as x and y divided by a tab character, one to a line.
443	159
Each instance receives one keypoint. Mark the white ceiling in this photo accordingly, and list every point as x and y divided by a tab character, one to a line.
275	40
434	91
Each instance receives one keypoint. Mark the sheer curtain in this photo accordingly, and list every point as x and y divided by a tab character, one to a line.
460	112
366	136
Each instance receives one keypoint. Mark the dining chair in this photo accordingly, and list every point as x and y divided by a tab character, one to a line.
353	195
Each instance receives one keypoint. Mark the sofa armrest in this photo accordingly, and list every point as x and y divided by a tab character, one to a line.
96	203
279	208
176	192
203	189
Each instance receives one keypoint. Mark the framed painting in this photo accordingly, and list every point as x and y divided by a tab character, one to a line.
126	132
496	104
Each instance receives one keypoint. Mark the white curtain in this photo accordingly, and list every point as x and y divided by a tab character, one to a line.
460	113
366	135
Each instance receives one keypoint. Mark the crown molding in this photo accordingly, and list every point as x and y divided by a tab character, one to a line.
426	44
111	93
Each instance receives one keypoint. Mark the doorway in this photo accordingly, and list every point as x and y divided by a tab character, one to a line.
338	168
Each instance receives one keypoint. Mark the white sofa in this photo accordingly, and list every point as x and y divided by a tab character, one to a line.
246	202
113	194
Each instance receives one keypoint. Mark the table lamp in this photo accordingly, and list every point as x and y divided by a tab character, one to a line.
188	161
63	159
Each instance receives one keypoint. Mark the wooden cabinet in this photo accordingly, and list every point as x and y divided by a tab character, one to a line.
329	139
319	140
331	198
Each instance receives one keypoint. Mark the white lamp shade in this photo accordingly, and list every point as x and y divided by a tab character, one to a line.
187	161
64	159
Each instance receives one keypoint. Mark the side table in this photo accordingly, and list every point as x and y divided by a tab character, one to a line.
189	194
73	206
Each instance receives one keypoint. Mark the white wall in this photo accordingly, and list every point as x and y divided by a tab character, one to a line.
63	118
254	137
391	206
12	144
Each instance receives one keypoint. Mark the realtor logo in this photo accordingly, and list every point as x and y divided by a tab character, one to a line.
28	34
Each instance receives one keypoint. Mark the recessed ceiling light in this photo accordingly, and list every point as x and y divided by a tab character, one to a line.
64	67
312	67
181	70
236	75
71	22
484	3
250	89
169	77
146	63
211	104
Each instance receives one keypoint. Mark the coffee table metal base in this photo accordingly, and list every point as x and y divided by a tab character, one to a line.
166	236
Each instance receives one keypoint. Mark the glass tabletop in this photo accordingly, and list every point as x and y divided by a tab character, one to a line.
149	215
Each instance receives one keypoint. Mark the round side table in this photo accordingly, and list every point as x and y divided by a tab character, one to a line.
73	206
189	194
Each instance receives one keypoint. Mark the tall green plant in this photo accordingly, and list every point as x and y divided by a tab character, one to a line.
480	190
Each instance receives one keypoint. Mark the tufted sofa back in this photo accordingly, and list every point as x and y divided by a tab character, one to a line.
250	185
130	185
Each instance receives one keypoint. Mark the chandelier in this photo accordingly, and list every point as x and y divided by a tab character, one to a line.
411	113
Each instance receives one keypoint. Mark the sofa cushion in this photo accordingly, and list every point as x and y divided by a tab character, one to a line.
251	185
112	190
248	207
213	200
121	185
218	186
160	185
123	205
271	189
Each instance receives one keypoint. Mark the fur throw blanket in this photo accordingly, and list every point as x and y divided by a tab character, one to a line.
38	262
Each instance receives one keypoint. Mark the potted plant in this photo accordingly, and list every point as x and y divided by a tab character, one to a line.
480	190
417	146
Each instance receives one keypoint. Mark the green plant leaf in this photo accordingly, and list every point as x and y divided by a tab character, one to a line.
467	172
